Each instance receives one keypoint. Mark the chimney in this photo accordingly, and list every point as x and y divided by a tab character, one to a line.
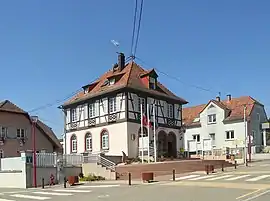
218	98
229	97
121	61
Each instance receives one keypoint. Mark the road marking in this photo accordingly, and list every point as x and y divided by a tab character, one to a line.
265	165
5	200
204	177
256	196
228	185
51	193
100	186
30	197
103	196
239	177
247	194
258	178
72	191
186	177
216	178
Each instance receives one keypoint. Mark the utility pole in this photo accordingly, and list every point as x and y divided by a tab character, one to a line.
245	125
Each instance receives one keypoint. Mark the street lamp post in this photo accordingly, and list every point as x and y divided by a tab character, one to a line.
34	122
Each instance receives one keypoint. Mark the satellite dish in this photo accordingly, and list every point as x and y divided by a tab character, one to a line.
115	43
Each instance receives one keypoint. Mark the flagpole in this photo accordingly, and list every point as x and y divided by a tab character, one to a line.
154	124
148	132
142	132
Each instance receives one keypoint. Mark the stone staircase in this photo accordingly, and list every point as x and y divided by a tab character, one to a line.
99	166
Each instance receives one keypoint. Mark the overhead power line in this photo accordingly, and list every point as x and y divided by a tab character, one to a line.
136	32
181	81
134	27
54	102
59	101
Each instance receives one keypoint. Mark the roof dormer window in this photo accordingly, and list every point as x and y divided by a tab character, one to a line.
85	90
152	83
112	81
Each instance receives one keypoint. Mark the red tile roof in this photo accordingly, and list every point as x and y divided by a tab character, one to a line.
7	106
235	107
129	77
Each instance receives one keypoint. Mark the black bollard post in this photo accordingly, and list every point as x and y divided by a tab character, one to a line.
247	163
235	164
65	182
222	167
42	183
173	174
129	179
207	169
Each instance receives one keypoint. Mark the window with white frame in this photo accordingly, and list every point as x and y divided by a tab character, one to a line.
20	133
74	144
229	135
88	142
170	110
104	140
112	104
92	111
152	83
3	131
1	153
74	115
197	138
212	118
141	101
213	138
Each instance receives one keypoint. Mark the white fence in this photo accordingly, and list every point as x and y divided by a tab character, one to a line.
51	160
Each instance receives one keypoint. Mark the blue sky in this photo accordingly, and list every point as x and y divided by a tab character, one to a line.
49	49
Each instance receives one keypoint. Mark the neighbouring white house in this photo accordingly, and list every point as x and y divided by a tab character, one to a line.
105	116
219	125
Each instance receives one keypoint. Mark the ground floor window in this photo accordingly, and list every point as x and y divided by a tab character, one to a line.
88	142
74	144
104	140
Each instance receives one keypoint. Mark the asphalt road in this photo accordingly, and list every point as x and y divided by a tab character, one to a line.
244	184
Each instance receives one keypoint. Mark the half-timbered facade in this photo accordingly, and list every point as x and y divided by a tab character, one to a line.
105	116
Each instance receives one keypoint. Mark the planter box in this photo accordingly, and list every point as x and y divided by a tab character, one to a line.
147	176
73	180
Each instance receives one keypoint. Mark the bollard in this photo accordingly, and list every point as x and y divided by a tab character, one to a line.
207	169
173	174
235	164
42	183
247	163
222	167
65	182
129	179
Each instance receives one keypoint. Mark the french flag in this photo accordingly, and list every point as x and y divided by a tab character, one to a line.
146	122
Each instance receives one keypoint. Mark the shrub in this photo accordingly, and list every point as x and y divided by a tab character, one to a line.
92	177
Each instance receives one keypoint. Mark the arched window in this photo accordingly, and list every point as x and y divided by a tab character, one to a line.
73	143
88	142
104	140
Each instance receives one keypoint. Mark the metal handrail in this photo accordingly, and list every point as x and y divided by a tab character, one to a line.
106	163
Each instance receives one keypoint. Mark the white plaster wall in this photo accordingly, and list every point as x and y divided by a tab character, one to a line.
117	139
13	173
14	179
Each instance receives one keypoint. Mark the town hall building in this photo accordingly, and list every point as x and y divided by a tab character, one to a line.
105	117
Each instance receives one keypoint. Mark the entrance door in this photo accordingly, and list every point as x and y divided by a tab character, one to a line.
170	149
